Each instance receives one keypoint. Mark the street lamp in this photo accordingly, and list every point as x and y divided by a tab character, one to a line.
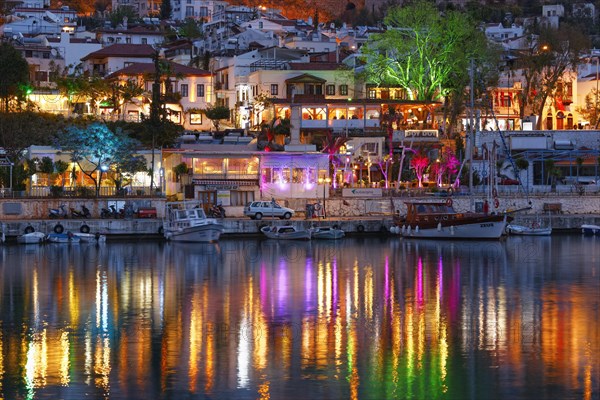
324	181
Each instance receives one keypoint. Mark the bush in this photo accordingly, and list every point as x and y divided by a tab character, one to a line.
56	191
83	191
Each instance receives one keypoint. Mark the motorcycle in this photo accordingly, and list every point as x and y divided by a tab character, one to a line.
216	211
84	213
60	212
109	213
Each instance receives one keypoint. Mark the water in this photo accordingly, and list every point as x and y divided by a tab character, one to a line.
357	318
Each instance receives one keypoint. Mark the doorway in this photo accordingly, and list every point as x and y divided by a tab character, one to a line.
207	198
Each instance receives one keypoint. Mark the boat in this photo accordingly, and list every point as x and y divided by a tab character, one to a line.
30	238
67	237
186	221
528	230
287	232
90	237
590	230
439	220
326	232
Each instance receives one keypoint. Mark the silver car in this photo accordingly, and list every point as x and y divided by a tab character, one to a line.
260	209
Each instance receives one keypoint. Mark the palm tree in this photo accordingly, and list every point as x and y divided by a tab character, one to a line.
332	147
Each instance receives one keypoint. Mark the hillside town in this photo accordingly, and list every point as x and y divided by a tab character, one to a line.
270	107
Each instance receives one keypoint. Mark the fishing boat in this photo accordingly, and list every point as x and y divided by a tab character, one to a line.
528	230
31	238
590	230
326	232
186	221
439	220
286	232
67	237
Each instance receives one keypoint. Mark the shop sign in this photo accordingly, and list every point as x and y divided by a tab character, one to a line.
362	192
422	135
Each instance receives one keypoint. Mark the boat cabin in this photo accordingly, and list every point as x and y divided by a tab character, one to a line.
429	212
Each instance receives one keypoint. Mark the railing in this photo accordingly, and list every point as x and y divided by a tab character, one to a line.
81	191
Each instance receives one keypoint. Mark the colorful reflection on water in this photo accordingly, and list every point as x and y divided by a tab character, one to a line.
358	318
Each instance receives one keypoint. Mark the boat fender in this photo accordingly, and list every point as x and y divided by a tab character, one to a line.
58	228
403	229
449	202
439	227
417	229
29	229
496	203
161	230
360	228
452	230
409	230
336	227
84	229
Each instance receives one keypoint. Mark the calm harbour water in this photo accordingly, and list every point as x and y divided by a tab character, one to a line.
358	318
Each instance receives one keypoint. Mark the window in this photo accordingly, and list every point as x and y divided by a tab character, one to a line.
196	119
128	40
241	198
144	41
344	90
200	90
274	89
184	90
330	90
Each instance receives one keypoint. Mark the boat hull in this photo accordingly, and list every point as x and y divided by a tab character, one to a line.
31	238
590	230
526	231
328	234
62	238
286	235
91	237
201	234
491	229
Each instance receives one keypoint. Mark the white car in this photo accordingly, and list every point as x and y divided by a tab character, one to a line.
260	209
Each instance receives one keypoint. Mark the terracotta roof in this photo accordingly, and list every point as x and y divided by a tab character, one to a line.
148	68
123	50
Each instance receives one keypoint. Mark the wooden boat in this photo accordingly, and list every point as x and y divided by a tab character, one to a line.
590	230
439	220
68	237
528	230
90	237
186	222
326	232
287	232
31	238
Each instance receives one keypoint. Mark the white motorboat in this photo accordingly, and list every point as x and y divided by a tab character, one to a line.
528	230
286	232
31	238
68	237
591	230
327	232
439	220
90	237
187	222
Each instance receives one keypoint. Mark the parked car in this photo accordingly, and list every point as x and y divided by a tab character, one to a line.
260	209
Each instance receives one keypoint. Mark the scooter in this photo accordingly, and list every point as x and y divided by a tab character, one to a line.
109	213
60	212
84	213
216	211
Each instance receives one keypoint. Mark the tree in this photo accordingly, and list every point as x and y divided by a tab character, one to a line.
422	51
419	162
96	149
14	78
166	9
331	146
216	114
590	111
548	60
190	29
125	11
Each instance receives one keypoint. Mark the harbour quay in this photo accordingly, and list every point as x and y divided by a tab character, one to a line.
565	213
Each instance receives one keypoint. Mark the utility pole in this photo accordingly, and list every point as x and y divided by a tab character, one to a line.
471	131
